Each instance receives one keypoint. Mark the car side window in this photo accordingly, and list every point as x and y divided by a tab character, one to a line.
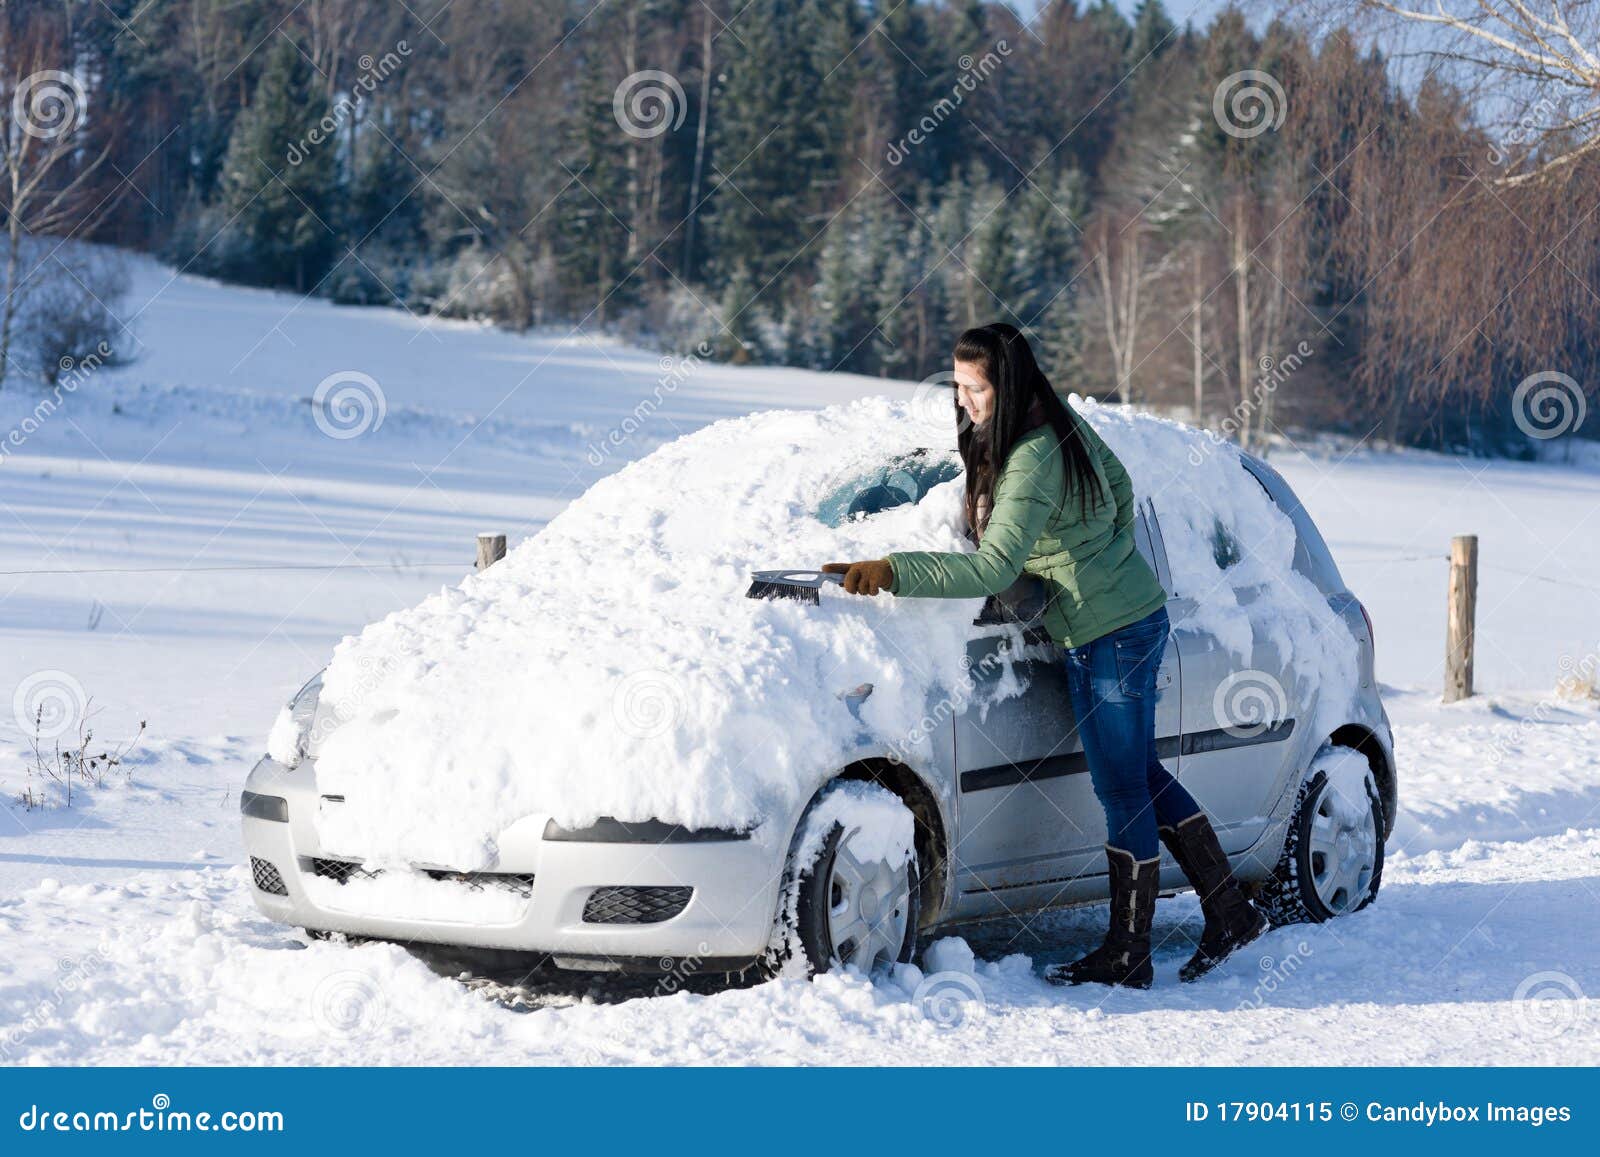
1224	546
905	479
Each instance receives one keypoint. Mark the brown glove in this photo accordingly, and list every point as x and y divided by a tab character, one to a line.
863	578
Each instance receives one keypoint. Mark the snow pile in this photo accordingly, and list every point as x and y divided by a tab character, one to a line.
1231	550
178	968
406	895
611	665
878	826
951	954
283	741
1350	788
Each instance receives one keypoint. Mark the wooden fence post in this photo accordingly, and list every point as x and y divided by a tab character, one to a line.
491	549
1461	617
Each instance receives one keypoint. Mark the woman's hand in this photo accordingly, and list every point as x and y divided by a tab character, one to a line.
863	578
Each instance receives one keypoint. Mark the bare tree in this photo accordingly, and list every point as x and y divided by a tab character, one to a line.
45	171
1535	63
1197	312
333	30
495	175
703	116
1126	270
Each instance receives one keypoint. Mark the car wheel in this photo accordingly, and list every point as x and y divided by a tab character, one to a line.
852	908
1332	861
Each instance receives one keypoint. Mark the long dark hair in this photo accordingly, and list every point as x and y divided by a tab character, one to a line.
1022	395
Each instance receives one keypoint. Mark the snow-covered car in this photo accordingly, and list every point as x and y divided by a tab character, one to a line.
600	749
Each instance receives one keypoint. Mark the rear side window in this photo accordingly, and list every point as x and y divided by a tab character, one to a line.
904	480
1312	557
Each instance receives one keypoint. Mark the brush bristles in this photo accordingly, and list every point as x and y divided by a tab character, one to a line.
761	589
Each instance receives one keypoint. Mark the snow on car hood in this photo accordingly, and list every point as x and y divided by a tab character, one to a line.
611	665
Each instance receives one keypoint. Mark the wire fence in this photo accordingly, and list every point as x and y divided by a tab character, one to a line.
1345	560
464	564
467	564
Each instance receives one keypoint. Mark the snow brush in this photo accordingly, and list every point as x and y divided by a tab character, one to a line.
804	586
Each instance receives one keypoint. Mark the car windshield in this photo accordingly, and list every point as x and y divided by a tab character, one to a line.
904	479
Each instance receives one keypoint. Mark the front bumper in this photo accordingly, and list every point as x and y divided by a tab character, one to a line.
729	916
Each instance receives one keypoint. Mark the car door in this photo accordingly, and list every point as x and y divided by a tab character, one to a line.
1238	716
1031	832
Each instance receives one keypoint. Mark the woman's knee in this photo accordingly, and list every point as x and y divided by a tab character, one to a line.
1121	794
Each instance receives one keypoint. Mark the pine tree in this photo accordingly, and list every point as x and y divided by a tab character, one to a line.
947	280
773	172
834	30
595	235
277	189
1047	229
743	319
914	75
907	345
838	298
1153	34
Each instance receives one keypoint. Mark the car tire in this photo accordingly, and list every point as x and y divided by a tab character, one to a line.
847	911
1332	859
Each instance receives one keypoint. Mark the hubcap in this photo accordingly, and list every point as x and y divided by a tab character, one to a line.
869	903
1344	851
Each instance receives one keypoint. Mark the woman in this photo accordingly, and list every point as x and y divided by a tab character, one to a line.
1045	496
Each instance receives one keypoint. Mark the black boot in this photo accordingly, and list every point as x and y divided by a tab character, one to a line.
1125	956
1231	920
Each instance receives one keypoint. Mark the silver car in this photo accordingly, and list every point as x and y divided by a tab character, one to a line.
1005	820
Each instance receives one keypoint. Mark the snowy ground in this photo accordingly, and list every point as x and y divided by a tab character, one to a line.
127	928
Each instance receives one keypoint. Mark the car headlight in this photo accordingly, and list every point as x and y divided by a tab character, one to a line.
290	736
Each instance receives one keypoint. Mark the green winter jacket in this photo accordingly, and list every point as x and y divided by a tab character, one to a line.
1095	579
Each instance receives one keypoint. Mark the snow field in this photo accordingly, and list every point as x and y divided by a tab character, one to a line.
126	920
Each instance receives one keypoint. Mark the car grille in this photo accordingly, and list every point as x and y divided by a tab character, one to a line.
648	905
520	883
267	878
343	871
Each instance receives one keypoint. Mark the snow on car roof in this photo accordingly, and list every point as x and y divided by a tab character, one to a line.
611	666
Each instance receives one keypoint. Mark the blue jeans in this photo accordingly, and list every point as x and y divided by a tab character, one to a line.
1112	681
